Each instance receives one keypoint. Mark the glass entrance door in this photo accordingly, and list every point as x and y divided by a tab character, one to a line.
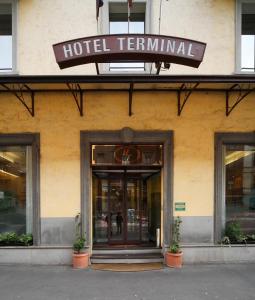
116	210
123	204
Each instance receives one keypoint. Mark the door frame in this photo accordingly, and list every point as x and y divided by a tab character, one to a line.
126	135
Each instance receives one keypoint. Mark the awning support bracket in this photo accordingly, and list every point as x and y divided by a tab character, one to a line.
184	89
77	93
130	102
241	96
97	69
19	92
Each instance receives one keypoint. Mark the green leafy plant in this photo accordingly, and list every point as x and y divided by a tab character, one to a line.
175	245
12	239
26	239
80	239
234	233
78	244
251	237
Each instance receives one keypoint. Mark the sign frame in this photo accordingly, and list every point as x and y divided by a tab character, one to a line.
129	48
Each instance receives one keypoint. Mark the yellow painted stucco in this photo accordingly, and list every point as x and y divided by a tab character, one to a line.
59	124
40	24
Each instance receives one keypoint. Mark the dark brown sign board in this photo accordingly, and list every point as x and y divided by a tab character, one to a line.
129	47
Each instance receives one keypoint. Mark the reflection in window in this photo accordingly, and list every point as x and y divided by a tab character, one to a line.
124	21
248	37
5	37
15	189
240	186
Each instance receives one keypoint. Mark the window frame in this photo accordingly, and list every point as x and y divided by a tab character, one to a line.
104	28
239	34
33	140
14	36
221	139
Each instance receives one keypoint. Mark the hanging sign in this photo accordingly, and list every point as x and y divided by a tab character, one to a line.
129	47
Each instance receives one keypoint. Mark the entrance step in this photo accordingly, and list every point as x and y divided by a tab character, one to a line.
124	256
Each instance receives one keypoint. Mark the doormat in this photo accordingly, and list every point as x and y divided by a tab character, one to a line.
127	267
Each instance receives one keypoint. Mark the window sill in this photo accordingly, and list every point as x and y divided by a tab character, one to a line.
2	73
243	73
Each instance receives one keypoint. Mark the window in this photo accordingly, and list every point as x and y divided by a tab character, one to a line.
246	35
118	18
19	184
7	34
240	186
125	20
16	204
235	181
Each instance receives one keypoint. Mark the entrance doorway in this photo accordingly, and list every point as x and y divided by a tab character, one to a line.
110	151
126	206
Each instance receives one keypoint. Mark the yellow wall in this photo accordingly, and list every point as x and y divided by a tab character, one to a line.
44	23
58	121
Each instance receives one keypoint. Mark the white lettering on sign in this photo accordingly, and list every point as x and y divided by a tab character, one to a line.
170	46
152	45
77	47
189	51
97	45
131	44
140	44
87	44
166	46
68	52
121	42
181	48
162	45
105	49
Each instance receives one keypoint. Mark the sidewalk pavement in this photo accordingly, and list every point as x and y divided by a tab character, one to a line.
192	282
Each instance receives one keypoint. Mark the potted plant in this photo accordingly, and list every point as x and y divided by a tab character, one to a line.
80	258
173	257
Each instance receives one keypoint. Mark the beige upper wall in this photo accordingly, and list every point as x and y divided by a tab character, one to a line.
45	22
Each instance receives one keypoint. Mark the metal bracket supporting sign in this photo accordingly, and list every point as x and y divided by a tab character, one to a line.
77	93
187	91
19	91
242	93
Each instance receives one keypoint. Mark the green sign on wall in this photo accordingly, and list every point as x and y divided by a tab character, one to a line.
180	206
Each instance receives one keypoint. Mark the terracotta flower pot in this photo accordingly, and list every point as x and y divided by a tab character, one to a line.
80	260
173	260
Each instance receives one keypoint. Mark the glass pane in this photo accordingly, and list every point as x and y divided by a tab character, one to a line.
240	186
153	190
5	37
133	212
248	37
150	155
116	210
15	189
248	54
100	210
119	24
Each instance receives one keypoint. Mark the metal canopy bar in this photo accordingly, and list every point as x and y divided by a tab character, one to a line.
187	91
19	91
97	68
158	67
241	95
51	79
130	100
77	93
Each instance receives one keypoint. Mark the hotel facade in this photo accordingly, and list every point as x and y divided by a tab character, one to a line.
131	134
